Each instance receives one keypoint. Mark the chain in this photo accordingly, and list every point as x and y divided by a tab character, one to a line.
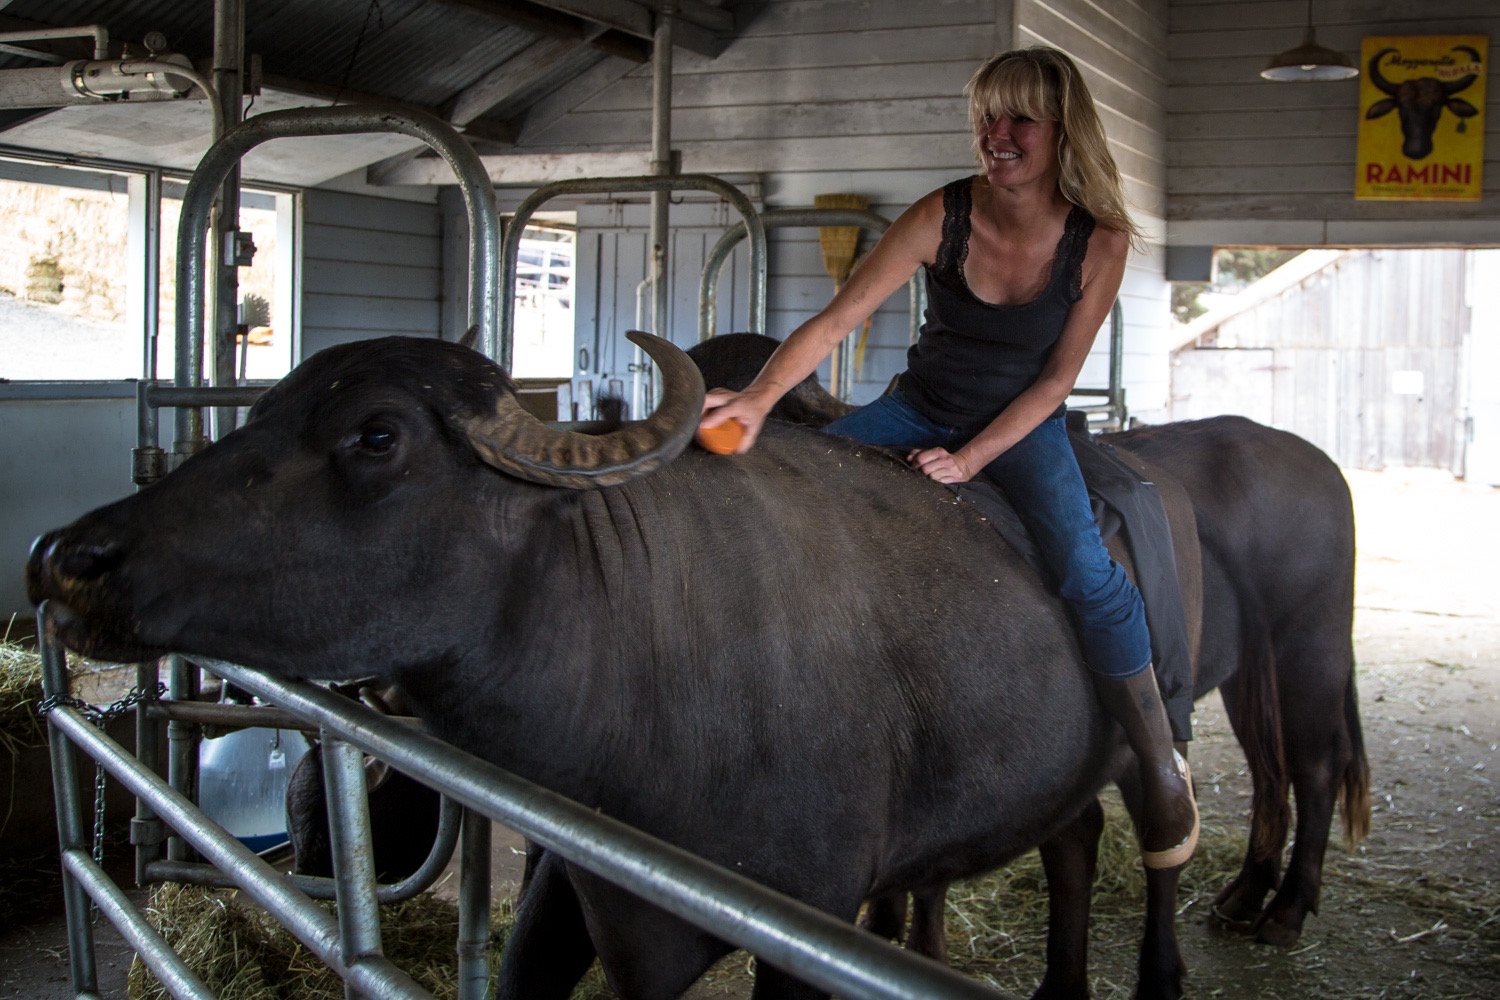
100	717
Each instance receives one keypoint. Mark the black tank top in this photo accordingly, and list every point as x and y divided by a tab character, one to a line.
972	357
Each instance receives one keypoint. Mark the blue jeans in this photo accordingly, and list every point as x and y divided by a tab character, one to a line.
1040	477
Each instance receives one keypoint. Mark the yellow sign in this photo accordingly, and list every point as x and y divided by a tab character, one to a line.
1421	118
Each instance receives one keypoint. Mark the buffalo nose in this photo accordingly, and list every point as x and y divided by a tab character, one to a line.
76	559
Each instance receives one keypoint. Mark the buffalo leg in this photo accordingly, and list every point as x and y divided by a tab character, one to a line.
927	935
549	948
646	952
1069	859
1238	905
885	916
1318	752
773	984
1159	967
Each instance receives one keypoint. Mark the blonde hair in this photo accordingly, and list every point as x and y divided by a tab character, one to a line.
1043	84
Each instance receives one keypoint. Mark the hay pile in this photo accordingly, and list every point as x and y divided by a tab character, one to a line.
241	953
20	690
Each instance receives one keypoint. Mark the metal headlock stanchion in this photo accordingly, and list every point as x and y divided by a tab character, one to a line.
784	218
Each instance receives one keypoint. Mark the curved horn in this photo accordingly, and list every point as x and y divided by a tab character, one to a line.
1454	86
1375	77
516	442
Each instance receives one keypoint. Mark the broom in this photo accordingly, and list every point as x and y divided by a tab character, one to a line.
840	246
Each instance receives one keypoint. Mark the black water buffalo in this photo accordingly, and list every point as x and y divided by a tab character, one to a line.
1420	102
807	663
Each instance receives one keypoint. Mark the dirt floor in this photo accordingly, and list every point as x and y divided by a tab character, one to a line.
1413	912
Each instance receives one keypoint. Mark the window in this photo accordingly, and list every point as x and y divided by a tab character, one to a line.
543	346
74	282
63	277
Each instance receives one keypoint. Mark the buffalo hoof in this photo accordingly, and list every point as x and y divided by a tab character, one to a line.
1236	910
1274	932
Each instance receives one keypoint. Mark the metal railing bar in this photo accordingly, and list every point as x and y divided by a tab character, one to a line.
160	396
308	922
231	716
159	957
351	843
474	908
790	935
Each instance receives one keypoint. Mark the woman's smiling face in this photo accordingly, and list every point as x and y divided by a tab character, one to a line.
1015	149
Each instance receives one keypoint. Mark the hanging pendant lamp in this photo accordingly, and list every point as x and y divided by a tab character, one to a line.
1310	61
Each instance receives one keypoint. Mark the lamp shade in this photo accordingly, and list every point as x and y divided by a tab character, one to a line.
1310	61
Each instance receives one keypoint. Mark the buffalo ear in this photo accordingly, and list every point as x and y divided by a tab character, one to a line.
1461	107
1383	107
470	337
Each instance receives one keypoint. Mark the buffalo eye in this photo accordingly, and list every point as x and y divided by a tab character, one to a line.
376	439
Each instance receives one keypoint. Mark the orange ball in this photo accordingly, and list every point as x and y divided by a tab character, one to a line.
723	439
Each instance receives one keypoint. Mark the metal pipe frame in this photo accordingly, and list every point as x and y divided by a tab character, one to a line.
225	154
168	967
785	933
661	160
316	886
781	218
790	935
371	974
511	251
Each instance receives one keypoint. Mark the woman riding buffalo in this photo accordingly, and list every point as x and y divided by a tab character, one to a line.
1022	265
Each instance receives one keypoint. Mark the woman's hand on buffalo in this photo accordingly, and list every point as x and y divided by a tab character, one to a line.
940	464
748	407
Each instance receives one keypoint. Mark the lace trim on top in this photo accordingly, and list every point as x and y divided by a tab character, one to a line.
953	249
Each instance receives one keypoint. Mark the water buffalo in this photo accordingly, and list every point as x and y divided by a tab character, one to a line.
1419	102
785	662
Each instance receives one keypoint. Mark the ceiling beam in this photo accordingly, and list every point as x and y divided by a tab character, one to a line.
492	89
572	95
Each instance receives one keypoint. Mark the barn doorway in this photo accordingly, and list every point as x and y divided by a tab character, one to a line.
1382	357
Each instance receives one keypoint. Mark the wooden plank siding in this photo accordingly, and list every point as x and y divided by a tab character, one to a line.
865	97
1253	161
370	267
1120	48
1326	352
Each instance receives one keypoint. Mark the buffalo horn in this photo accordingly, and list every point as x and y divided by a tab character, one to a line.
1375	76
516	442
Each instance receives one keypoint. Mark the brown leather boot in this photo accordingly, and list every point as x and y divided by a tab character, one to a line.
1169	828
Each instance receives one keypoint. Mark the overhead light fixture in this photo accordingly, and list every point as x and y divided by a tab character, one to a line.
1310	61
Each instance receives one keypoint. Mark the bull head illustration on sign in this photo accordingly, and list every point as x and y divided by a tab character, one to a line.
1420	102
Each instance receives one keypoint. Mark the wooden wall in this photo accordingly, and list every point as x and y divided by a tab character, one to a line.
1252	161
865	97
1366	358
371	267
1121	47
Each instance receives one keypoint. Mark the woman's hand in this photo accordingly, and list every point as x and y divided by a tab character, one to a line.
941	465
748	407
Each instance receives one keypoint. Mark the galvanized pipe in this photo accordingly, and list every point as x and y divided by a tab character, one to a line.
661	163
147	832
164	963
474	908
182	745
774	218
511	251
229	88
780	218
352	844
308	922
151	273
785	933
197	201
71	828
